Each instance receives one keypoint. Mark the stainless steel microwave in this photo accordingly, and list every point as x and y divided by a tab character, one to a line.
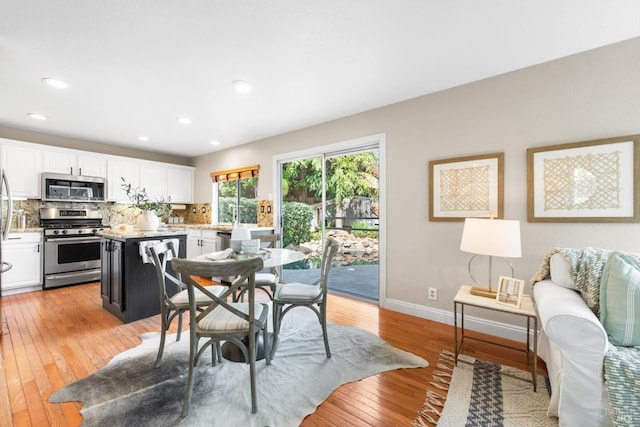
73	188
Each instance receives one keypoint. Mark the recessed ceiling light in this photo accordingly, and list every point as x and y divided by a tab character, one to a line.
214	142
184	120
143	138
241	86
37	116
55	83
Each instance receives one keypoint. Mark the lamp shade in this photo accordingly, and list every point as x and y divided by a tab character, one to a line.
493	237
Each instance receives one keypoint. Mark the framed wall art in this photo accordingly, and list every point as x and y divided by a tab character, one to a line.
510	291
589	181
464	187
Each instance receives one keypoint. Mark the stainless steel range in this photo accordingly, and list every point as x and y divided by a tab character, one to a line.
71	245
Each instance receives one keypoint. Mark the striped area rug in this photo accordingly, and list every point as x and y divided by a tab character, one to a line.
472	395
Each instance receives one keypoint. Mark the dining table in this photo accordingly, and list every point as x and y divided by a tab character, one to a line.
271	257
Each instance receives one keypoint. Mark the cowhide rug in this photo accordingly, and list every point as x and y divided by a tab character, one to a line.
130	392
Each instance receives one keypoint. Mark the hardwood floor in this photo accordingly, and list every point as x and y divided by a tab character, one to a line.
53	338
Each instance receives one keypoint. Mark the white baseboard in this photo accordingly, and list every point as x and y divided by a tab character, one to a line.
491	327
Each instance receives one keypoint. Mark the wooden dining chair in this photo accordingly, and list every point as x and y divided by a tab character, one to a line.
224	320
288	296
267	279
174	299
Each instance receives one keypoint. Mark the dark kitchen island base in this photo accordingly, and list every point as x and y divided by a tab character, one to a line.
129	286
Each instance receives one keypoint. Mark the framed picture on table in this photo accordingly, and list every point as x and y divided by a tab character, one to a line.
464	187
589	181
510	291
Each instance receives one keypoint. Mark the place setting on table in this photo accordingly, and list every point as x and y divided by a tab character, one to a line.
243	246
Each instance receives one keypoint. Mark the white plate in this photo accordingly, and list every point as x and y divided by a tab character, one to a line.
216	256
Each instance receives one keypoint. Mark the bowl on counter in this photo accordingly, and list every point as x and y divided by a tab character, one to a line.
236	245
251	246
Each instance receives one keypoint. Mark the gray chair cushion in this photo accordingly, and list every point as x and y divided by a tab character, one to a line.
266	279
298	291
221	319
183	296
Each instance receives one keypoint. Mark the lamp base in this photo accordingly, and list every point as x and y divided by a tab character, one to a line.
482	292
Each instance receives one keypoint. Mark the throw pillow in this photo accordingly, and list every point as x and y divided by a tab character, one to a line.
620	300
559	269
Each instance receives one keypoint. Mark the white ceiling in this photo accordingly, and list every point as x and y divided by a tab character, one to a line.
134	67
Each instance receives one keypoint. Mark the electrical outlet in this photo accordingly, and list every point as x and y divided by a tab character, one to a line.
433	294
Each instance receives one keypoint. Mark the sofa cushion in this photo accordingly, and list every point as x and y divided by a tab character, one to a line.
559	270
620	300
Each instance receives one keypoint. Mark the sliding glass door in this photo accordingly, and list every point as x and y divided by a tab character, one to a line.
334	194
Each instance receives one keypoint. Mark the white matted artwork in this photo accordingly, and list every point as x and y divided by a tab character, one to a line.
466	187
590	181
510	291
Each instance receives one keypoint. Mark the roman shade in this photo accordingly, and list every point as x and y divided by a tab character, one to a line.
237	173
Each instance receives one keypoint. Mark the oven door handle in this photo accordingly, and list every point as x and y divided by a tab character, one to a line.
68	275
73	239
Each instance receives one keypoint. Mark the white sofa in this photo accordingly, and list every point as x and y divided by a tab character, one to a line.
573	344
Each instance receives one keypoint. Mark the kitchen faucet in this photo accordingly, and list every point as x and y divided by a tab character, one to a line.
234	215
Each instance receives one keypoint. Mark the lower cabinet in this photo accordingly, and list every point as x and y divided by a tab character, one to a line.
201	242
23	252
129	286
111	283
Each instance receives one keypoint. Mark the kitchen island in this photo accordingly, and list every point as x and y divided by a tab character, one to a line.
129	285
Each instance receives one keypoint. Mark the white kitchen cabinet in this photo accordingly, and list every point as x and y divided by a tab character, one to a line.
23	165
118	168
59	161
193	242
180	184
153	178
24	252
25	162
201	242
74	162
92	165
209	241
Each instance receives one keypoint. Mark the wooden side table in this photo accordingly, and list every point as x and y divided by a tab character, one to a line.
464	298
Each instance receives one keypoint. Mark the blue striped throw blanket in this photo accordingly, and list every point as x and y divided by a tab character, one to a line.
621	364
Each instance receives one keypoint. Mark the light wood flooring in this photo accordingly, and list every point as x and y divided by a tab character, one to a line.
55	337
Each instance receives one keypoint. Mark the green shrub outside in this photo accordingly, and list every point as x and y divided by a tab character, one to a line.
296	223
248	208
367	230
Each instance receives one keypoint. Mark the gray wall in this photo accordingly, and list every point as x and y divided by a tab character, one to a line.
77	144
591	95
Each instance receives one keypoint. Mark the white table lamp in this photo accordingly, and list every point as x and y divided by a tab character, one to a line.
491	237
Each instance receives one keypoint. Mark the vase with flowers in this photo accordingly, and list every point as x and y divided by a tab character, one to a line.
152	210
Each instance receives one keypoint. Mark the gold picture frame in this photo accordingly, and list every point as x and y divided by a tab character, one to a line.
464	187
588	181
510	291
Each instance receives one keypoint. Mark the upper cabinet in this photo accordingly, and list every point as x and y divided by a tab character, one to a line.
74	162
25	162
118	168
168	181
92	165
23	165
180	183
161	180
153	178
